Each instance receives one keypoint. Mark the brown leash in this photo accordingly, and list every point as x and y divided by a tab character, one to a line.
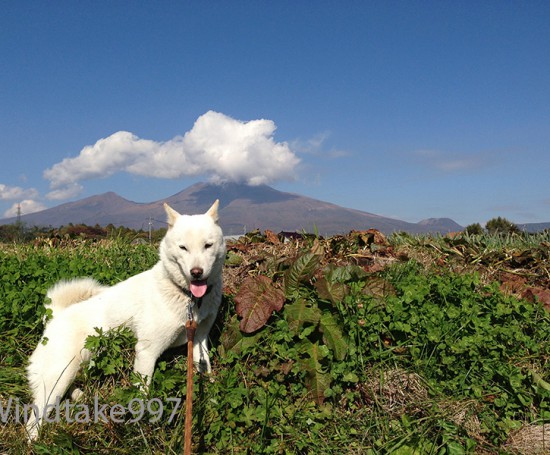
191	327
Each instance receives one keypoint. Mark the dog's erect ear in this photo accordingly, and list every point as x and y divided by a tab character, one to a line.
172	215
213	211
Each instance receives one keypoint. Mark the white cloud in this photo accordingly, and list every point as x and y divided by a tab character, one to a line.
10	193
218	146
312	145
449	162
27	206
316	146
67	192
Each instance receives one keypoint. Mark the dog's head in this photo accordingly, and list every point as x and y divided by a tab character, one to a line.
193	250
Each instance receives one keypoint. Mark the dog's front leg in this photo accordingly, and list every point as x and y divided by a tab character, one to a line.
146	357
201	356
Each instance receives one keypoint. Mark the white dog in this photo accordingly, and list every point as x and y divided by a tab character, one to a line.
153	304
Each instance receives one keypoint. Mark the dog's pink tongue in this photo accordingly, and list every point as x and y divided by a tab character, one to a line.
198	288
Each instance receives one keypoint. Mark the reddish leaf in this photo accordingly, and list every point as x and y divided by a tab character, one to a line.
271	237
542	295
378	288
256	300
511	283
369	237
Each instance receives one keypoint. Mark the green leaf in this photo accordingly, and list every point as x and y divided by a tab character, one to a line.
302	269
233	340
317	381
333	336
331	290
299	313
233	259
350	377
537	378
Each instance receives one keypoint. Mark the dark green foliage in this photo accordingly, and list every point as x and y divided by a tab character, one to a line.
474	229
501	226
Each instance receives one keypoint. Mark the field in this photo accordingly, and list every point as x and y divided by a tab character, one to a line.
353	344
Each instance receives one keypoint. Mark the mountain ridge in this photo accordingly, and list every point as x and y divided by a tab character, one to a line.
242	208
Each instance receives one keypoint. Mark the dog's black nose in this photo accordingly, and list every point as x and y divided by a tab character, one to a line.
196	272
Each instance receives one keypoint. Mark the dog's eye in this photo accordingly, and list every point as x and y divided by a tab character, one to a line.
183	247
207	245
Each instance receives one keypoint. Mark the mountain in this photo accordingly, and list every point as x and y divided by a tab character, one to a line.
534	227
441	225
242	208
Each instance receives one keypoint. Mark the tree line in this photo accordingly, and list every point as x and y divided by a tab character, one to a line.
494	226
20	233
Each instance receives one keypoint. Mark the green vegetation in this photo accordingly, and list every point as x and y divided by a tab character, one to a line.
19	233
501	226
409	346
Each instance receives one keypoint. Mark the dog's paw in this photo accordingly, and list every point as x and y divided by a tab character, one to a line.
203	366
76	394
32	433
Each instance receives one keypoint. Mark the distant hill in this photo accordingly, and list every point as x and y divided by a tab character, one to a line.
441	225
242	208
534	227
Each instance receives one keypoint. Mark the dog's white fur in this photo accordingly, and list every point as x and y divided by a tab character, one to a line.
153	304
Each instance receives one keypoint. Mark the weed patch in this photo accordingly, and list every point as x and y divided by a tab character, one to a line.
352	346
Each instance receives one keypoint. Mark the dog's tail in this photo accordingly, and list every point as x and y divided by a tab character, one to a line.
53	366
68	292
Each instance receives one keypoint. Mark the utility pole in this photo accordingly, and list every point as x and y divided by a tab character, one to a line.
18	222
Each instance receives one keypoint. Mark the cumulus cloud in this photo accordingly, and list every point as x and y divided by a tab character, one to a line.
27	206
218	146
10	193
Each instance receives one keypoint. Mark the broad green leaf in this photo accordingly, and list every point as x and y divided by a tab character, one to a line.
233	340
316	380
233	259
299	313
302	269
333	336
344	273
331	290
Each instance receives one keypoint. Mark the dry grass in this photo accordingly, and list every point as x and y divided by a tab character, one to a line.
397	392
530	440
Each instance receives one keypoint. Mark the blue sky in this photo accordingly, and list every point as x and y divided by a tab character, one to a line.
407	109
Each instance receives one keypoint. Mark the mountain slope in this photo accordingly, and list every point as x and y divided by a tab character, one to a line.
441	225
242	208
534	227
